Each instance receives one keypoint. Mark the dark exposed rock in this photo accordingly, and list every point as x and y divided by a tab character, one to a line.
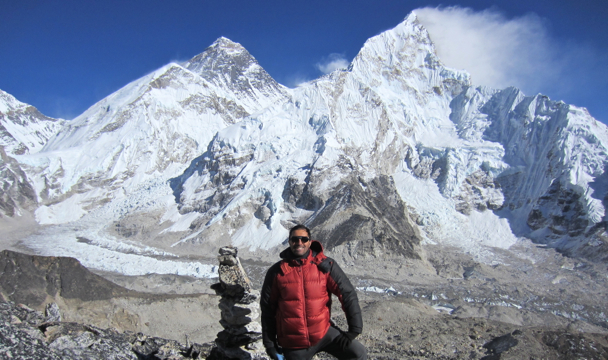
301	195
560	217
575	346
572	218
76	341
30	279
228	64
501	344
20	339
371	212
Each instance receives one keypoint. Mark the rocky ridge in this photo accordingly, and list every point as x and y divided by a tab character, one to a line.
28	334
228	65
23	129
88	298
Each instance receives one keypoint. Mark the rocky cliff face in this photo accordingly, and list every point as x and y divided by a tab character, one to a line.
18	194
367	219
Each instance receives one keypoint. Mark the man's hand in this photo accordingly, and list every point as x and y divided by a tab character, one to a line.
272	352
345	339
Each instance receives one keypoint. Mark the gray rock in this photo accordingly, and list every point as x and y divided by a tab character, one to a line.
501	344
52	312
234	282
371	211
25	335
229	250
49	276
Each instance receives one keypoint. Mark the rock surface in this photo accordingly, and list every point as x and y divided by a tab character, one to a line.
31	279
26	334
18	194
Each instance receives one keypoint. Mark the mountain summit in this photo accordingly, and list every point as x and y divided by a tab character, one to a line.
393	153
229	66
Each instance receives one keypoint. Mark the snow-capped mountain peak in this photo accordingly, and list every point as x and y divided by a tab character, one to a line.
23	129
229	66
394	152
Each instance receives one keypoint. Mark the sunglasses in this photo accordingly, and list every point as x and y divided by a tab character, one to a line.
295	239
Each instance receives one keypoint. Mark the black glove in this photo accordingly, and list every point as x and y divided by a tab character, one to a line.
345	338
272	352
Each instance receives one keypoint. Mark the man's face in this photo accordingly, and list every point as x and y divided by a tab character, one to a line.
298	248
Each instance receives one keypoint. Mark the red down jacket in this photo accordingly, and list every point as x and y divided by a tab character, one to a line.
296	299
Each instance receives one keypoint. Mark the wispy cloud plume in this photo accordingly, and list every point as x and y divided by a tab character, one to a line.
496	51
296	80
332	62
64	107
500	52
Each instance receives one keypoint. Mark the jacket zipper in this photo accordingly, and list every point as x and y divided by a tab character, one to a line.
301	271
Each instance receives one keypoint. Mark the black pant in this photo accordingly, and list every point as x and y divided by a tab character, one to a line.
356	350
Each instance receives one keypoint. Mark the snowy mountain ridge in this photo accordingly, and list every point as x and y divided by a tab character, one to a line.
395	152
23	129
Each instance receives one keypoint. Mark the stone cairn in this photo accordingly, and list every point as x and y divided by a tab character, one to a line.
239	305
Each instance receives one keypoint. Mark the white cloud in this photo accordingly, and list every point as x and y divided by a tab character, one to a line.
296	80
521	52
496	51
332	62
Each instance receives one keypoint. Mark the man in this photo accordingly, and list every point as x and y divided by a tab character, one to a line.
296	304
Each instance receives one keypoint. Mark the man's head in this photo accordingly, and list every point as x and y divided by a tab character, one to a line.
299	240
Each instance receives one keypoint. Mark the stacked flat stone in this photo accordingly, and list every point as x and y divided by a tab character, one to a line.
240	308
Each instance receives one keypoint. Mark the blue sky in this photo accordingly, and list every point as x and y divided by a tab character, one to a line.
63	56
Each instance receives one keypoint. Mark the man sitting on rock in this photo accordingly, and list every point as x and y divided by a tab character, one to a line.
296	304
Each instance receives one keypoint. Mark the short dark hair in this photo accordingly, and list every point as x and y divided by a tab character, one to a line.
299	227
